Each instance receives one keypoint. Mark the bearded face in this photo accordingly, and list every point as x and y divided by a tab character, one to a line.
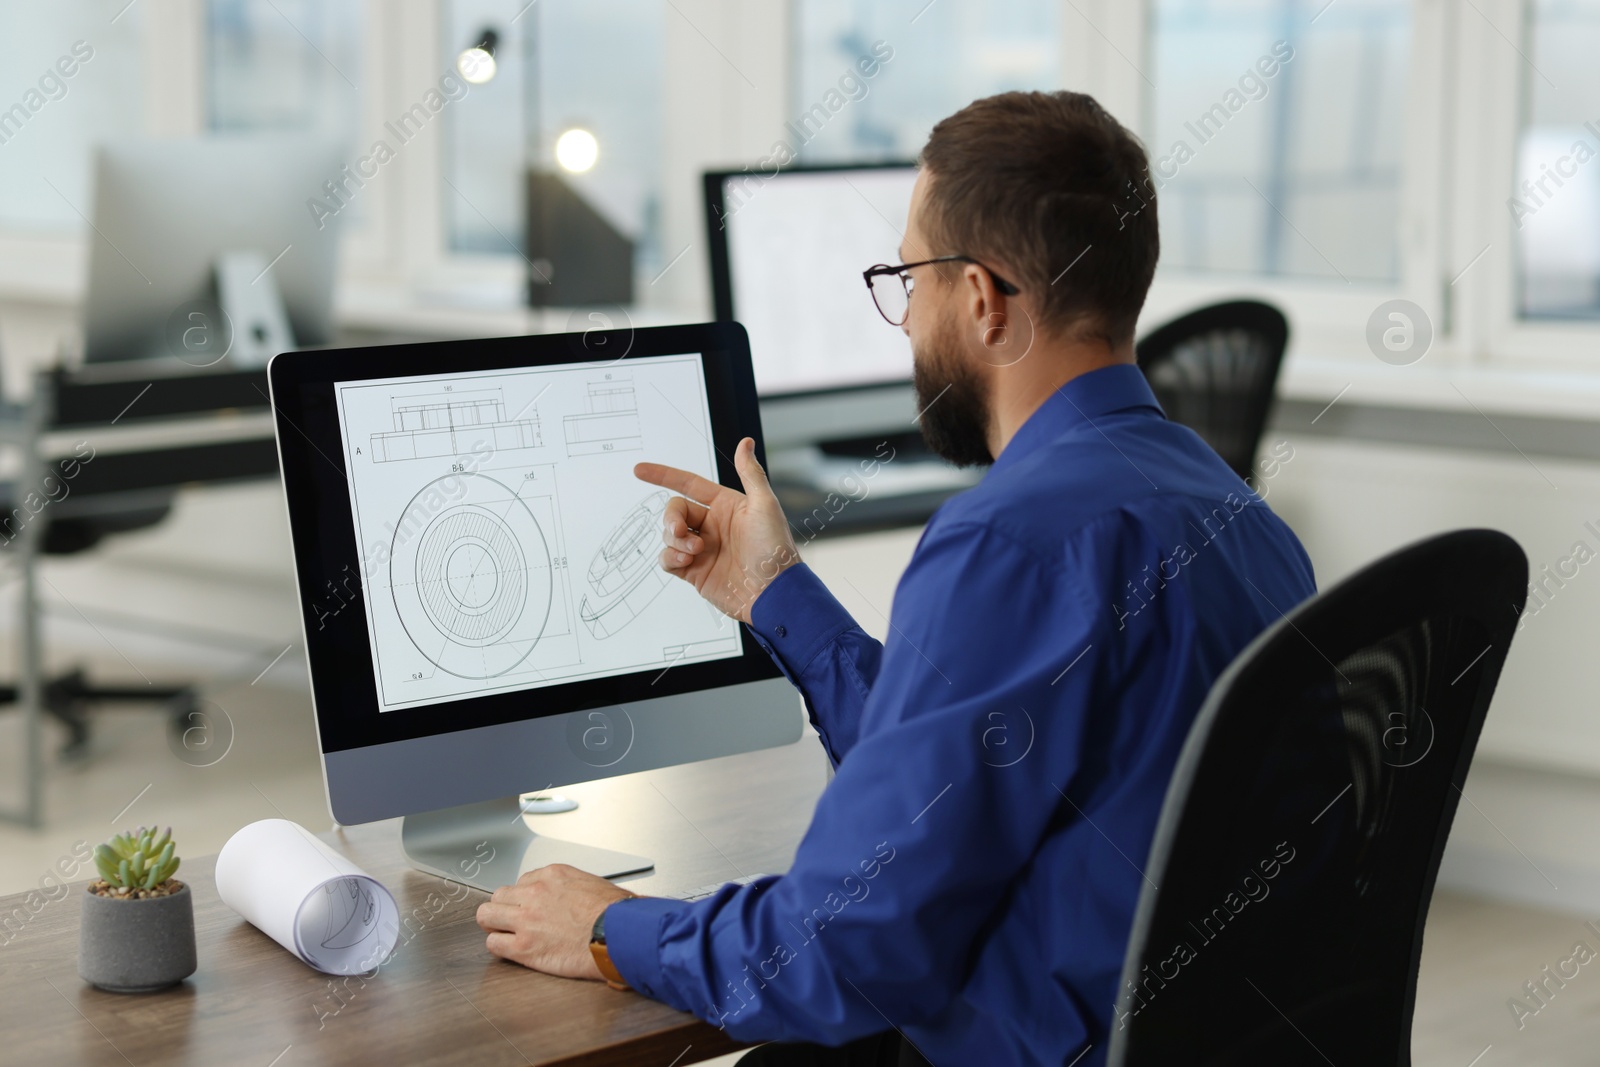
953	399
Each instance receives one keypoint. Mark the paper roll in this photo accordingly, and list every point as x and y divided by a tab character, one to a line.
308	898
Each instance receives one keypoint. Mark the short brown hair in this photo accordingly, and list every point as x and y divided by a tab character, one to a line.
1057	189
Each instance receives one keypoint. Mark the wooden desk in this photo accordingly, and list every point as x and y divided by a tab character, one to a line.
441	999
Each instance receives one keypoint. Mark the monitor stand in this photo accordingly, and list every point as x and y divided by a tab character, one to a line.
488	845
248	294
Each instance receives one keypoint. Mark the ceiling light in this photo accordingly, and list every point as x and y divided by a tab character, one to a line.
577	150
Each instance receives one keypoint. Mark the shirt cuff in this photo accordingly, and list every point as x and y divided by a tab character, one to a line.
795	618
633	940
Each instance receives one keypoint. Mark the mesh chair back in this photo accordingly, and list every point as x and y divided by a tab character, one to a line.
1214	371
1299	842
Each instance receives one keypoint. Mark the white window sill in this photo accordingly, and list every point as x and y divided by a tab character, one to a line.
1440	384
1322	364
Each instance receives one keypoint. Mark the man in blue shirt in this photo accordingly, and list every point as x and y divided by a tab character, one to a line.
966	887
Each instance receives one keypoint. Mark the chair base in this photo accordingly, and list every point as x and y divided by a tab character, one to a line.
67	698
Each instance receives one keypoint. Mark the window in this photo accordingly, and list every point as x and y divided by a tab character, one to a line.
1555	203
1276	134
284	65
50	118
932	60
559	65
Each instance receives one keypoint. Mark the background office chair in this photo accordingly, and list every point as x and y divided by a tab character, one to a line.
74	523
69	696
125	488
1301	835
1214	370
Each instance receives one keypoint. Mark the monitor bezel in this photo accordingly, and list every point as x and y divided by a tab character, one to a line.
721	272
326	555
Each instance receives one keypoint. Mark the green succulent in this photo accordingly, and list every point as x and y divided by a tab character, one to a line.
137	860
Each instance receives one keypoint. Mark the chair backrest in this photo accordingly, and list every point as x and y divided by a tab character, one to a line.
1214	370
1300	838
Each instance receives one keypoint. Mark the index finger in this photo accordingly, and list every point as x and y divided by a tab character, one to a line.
700	490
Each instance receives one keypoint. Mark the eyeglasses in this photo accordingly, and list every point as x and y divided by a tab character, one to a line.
891	286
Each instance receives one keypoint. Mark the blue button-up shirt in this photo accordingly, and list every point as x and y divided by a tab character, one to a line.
970	873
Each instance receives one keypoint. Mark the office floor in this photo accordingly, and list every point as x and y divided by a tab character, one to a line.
1478	953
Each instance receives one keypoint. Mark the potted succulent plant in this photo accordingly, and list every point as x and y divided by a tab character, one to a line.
137	928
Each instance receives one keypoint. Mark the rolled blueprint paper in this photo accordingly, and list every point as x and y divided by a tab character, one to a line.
305	896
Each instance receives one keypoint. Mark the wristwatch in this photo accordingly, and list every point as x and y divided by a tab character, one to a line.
602	958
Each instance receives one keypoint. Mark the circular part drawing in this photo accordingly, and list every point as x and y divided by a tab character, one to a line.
470	572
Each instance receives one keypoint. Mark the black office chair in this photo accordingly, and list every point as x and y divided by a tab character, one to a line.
1292	868
1214	370
69	696
114	494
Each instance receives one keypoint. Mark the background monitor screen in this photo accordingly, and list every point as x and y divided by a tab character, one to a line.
787	255
508	545
166	210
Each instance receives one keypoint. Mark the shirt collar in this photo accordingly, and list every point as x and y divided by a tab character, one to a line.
1120	387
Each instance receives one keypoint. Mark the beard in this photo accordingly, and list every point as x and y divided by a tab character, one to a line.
954	402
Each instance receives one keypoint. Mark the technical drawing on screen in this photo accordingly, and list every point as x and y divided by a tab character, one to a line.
505	543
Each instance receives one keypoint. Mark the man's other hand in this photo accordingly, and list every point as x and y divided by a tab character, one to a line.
545	920
727	544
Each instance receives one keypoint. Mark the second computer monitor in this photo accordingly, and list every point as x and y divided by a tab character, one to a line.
787	252
169	212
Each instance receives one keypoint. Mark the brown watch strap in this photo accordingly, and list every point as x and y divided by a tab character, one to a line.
608	970
602	956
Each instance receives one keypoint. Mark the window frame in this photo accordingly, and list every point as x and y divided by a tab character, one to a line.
1328	318
1463	110
1553	345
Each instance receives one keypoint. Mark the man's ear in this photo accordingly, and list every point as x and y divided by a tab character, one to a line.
1002	325
987	309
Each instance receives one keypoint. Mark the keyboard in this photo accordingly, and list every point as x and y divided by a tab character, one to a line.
706	890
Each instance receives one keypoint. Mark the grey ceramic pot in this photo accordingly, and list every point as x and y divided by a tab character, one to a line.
136	946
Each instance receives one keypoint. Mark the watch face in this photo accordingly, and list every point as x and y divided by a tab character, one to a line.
598	933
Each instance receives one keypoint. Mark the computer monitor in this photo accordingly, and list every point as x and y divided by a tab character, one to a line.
787	252
184	227
484	607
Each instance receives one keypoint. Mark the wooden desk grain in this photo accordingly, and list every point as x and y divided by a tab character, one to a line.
441	998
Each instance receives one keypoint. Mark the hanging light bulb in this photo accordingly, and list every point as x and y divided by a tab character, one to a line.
477	64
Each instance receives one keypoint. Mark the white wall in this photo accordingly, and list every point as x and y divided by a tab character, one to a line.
1527	828
1352	501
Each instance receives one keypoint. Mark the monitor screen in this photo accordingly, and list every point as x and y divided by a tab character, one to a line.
479	570
506	543
793	246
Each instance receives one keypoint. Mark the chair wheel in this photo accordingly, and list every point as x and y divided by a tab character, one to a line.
62	704
180	712
75	749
